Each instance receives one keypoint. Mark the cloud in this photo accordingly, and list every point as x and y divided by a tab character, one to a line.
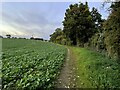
27	23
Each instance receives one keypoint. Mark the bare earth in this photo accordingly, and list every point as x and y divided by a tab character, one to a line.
67	76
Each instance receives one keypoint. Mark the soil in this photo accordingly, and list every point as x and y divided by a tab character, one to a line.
67	77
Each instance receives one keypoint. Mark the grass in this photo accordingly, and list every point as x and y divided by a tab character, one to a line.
94	70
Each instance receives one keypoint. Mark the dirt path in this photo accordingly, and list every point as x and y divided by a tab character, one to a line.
67	76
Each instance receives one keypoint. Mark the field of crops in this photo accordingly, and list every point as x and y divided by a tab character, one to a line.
30	64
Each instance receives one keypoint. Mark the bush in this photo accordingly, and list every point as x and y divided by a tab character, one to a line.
96	42
112	41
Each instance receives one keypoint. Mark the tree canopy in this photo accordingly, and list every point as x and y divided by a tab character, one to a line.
80	23
82	27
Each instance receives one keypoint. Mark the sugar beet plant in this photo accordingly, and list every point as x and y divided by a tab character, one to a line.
29	64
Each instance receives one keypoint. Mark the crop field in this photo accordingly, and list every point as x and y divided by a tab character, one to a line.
30	64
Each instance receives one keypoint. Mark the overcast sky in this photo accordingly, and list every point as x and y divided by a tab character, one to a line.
38	19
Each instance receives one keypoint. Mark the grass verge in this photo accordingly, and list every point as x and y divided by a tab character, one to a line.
94	70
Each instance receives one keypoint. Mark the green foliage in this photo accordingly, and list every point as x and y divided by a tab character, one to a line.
112	41
112	31
108	36
59	37
83	27
97	42
30	64
80	24
95	70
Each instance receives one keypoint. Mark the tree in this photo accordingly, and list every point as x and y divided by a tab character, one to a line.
97	20
32	37
112	31
79	23
58	36
8	36
96	42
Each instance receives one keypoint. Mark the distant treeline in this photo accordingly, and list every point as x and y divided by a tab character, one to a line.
37	39
86	28
33	38
1	36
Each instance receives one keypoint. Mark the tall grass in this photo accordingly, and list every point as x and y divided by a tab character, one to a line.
95	70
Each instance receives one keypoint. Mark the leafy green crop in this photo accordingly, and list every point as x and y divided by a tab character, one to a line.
30	64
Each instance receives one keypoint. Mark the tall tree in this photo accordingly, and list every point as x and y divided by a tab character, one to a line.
96	16
69	23
96	42
112	31
79	23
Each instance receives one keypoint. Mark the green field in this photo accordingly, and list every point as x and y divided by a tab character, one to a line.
30	64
